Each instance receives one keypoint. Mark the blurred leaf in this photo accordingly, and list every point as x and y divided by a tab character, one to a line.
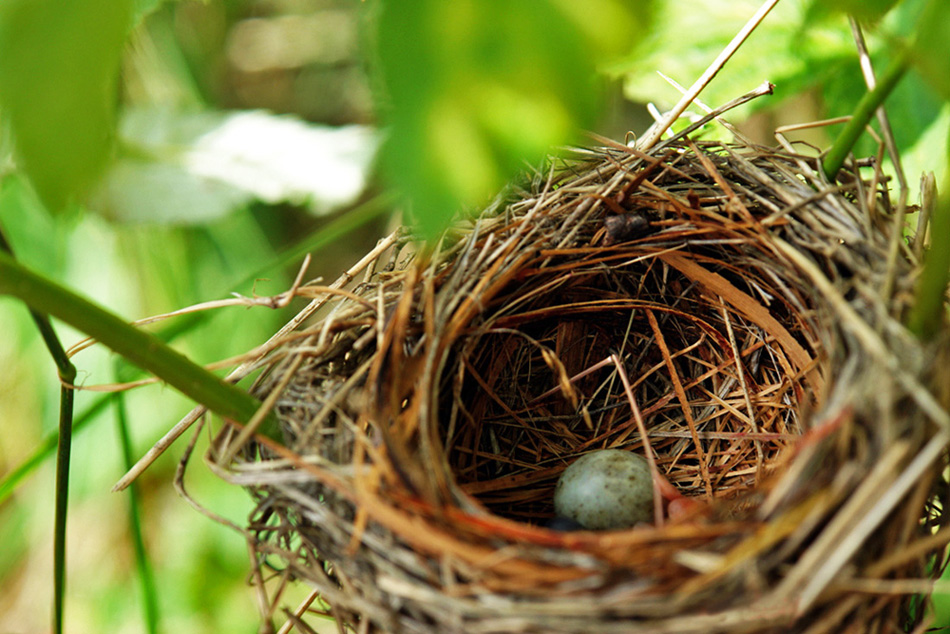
58	88
474	88
931	51
179	167
143	8
43	240
869	11
929	154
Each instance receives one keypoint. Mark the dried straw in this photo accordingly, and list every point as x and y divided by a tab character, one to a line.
722	298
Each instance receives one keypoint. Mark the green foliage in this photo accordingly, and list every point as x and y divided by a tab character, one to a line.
682	44
798	47
475	88
930	46
58	88
864	10
866	109
472	91
144	349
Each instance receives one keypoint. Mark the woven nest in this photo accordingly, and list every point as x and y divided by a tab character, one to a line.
726	300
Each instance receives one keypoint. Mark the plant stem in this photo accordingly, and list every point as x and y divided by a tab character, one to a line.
331	232
11	480
142	561
865	110
67	374
141	348
929	311
63	452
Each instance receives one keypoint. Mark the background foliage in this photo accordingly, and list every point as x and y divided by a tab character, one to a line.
173	157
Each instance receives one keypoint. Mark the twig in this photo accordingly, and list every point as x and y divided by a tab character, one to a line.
740	370
684	401
897	230
647	449
181	426
656	131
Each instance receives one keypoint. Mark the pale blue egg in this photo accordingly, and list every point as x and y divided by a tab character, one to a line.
606	489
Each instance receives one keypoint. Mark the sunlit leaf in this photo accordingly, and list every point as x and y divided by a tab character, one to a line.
476	88
58	88
179	167
795	50
682	45
929	153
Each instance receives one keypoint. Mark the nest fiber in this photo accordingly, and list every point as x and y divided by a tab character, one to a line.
720	309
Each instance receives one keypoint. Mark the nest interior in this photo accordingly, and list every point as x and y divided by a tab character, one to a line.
718	384
720	307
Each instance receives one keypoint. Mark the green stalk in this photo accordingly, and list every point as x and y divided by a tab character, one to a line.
863	114
331	232
141	348
67	374
11	480
63	452
929	311
142	562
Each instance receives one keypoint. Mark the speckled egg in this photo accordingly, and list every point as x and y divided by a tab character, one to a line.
606	489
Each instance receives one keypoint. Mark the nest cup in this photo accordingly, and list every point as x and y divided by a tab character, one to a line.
725	299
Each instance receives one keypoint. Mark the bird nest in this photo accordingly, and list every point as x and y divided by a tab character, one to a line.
720	309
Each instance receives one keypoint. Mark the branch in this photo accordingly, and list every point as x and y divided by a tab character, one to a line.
141	348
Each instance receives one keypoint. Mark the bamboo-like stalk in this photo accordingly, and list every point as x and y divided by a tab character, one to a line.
139	347
863	113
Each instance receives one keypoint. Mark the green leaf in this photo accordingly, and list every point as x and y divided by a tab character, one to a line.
869	11
475	88
931	54
795	50
58	88
144	8
912	107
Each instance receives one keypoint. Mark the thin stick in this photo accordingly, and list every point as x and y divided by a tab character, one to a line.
656	131
299	612
266	407
867	70
574	379
928	200
863	112
181	426
647	449
759	455
684	401
897	230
